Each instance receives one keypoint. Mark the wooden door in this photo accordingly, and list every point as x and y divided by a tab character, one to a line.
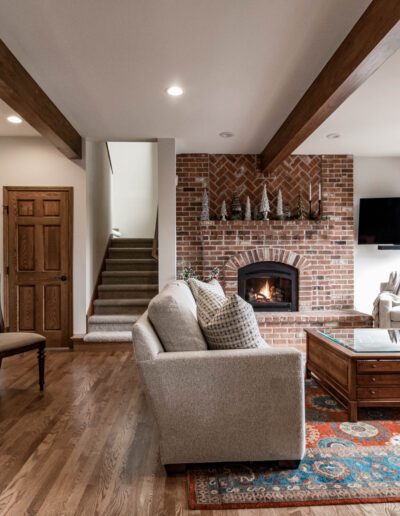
38	262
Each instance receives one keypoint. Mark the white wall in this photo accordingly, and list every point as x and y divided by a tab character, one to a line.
35	162
134	188
373	177
98	210
166	211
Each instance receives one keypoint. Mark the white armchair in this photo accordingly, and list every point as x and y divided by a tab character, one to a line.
387	305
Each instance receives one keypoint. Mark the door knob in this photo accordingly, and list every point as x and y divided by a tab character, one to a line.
63	278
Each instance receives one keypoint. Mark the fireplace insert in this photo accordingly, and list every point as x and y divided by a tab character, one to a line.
269	286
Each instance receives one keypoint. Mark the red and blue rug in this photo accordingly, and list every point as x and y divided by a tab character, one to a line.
345	463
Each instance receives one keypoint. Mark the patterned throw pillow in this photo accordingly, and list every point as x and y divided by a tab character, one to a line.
227	323
196	286
209	301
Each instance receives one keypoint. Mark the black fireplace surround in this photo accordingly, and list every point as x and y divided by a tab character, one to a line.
269	286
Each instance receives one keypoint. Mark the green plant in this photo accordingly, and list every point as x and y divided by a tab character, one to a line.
188	273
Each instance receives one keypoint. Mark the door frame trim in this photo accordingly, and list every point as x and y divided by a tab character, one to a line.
6	292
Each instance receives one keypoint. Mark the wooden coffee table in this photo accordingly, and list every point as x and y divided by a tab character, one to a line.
356	374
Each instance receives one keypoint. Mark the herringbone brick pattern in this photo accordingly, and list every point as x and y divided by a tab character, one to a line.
293	177
230	173
241	173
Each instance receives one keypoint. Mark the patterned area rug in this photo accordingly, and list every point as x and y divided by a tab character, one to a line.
345	463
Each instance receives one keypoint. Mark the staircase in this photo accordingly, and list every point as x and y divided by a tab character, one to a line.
128	283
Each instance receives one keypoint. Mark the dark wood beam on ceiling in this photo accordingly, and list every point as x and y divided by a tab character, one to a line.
25	96
372	40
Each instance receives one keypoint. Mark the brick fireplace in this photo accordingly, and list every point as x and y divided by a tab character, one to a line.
269	286
321	252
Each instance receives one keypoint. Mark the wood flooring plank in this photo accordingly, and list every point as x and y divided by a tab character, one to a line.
89	445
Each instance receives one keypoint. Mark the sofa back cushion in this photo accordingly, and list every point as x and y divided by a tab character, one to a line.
228	323
174	317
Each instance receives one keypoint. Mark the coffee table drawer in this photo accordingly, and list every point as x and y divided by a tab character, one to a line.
378	379
375	393
378	366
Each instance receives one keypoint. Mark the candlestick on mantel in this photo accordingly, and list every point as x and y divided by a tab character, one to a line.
319	192
309	196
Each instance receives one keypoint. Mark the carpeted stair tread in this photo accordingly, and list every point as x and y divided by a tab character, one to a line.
152	261
122	302
111	319
111	323
131	242
130	277
127	249
130	273
129	287
104	336
130	252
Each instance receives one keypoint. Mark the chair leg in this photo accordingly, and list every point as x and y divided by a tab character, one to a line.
41	363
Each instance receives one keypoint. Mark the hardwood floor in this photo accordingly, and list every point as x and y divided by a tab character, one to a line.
88	445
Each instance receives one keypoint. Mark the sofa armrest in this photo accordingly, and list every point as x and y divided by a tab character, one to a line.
229	405
385	305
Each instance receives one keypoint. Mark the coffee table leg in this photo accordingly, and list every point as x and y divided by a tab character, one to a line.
353	412
41	359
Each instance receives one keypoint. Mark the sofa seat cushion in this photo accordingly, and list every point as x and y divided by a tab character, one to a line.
14	340
395	313
228	323
174	317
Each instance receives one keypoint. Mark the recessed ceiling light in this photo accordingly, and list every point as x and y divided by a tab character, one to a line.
333	136
14	119
226	134
174	91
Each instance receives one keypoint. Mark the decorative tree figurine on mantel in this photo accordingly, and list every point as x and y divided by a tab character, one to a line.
301	211
247	215
279	206
224	211
205	210
264	206
236	207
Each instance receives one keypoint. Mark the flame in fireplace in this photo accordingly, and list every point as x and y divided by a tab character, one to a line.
266	291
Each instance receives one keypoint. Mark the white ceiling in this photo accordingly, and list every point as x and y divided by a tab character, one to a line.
243	64
368	121
7	129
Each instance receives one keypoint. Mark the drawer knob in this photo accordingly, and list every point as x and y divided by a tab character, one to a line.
372	392
373	365
373	379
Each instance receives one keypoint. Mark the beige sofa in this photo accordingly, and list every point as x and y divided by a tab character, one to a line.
222	406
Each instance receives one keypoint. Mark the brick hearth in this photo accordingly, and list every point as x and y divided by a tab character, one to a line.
321	250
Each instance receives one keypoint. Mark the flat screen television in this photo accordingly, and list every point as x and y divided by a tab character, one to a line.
379	221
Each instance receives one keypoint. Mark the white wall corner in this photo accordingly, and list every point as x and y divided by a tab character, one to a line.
166	210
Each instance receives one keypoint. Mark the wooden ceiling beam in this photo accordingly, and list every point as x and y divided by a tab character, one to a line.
19	90
372	40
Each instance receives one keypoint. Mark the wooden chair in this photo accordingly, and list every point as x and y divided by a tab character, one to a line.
15	343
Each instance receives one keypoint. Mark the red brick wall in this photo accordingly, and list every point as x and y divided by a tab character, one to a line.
327	282
237	172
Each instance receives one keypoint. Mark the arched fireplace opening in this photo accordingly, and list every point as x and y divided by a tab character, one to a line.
270	286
